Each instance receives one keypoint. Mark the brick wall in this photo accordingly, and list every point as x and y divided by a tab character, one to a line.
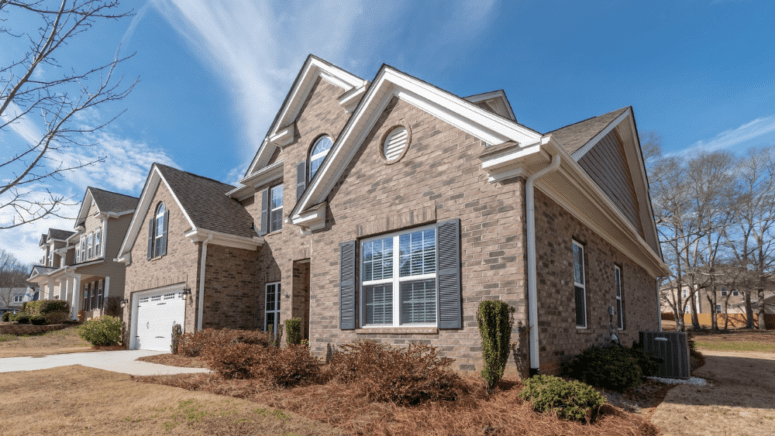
559	338
180	265
232	294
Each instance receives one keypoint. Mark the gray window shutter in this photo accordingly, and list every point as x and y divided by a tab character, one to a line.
347	285
264	213
448	276
164	230
301	178
150	238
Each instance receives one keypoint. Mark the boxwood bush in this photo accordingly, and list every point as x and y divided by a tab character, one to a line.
611	367
495	319
571	400
293	331
101	331
42	307
56	317
22	318
7	316
38	319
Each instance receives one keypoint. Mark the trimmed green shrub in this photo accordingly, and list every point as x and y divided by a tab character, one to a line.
22	318
7	316
101	331
611	367
43	307
570	400
495	320
177	331
649	365
38	319
56	317
293	331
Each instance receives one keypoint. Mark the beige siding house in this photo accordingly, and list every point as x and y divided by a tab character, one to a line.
388	210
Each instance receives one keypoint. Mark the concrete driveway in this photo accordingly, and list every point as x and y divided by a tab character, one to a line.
123	361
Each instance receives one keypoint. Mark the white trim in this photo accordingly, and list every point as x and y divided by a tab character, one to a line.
620	322
284	137
224	239
135	302
275	311
578	154
349	100
499	94
261	177
582	285
201	302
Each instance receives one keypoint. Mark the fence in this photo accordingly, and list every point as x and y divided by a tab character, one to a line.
736	320
672	348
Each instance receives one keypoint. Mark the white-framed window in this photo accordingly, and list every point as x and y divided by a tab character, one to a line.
272	306
158	230
318	153
735	293
724	291
579	285
619	296
90	246
718	308
403	295
276	208
18	298
50	257
98	243
100	294
83	248
684	293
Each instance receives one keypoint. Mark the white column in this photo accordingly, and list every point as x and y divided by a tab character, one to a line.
105	293
50	292
76	295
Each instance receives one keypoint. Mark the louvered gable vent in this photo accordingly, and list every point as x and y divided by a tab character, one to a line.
395	143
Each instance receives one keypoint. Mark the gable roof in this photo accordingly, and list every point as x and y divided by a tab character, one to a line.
205	206
108	201
577	135
495	100
58	234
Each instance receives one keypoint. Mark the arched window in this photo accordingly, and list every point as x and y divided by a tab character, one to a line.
319	151
157	232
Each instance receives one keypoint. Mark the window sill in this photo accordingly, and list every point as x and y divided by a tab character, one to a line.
397	331
276	232
157	258
583	330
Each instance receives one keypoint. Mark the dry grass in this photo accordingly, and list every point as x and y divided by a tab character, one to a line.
54	342
345	406
741	399
175	360
79	400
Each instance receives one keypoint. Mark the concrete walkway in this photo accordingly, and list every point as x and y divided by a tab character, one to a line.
123	361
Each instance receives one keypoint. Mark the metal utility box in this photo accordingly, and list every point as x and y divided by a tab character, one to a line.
672	348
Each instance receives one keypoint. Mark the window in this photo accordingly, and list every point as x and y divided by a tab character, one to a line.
272	307
83	248
51	256
579	285
85	298
91	246
18	298
276	208
395	143
319	151
724	292
100	295
684	293
735	293
158	230
619	296
402	295
718	308
98	243
92	296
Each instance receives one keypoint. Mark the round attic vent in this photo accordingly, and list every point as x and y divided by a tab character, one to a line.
395	144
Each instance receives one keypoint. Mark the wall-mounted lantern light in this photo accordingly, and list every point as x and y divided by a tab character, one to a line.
186	292
124	302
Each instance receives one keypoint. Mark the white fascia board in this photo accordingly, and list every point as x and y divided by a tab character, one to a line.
578	154
349	100
499	94
225	239
83	211
284	136
260	177
466	116
125	259
314	219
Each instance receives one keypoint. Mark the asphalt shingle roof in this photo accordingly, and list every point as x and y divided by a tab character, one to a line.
60	234
206	203
574	136
112	201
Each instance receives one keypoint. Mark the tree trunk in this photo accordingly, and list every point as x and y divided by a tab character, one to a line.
748	311
762	323
695	319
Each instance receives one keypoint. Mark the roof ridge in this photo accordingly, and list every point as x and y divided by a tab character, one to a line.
112	192
192	174
587	119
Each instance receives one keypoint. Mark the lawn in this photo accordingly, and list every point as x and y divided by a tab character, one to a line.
80	400
738	340
53	342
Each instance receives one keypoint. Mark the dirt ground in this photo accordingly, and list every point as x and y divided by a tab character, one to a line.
741	400
80	400
175	360
54	342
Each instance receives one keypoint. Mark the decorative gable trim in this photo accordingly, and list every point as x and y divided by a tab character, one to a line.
83	212
389	83
284	137
497	100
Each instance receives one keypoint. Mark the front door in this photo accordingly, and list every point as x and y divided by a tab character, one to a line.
272	307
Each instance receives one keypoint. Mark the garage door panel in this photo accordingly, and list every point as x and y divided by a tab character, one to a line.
156	313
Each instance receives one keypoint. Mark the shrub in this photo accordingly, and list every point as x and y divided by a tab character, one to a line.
22	318
610	367
177	331
233	360
649	365
43	307
495	320
101	331
7	316
293	331
402	375
570	400
192	344
38	319
284	367
56	317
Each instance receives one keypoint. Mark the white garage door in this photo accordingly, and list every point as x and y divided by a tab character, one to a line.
156	313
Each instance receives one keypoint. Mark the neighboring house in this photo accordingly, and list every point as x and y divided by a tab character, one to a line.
735	301
79	266
11	299
389	210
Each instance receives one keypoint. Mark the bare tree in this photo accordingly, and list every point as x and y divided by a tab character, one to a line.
47	106
13	274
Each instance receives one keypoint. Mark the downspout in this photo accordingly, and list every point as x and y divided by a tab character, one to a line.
202	283
532	286
659	307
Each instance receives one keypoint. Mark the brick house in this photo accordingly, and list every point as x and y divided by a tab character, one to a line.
79	266
389	210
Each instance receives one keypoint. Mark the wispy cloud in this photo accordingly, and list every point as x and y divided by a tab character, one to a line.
756	129
257	47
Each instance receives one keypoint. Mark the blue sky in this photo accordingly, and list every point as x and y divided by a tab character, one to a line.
213	73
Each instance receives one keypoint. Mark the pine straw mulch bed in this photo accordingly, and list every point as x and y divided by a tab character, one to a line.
345	407
175	360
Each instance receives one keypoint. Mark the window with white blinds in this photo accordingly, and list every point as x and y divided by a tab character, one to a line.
395	143
402	295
